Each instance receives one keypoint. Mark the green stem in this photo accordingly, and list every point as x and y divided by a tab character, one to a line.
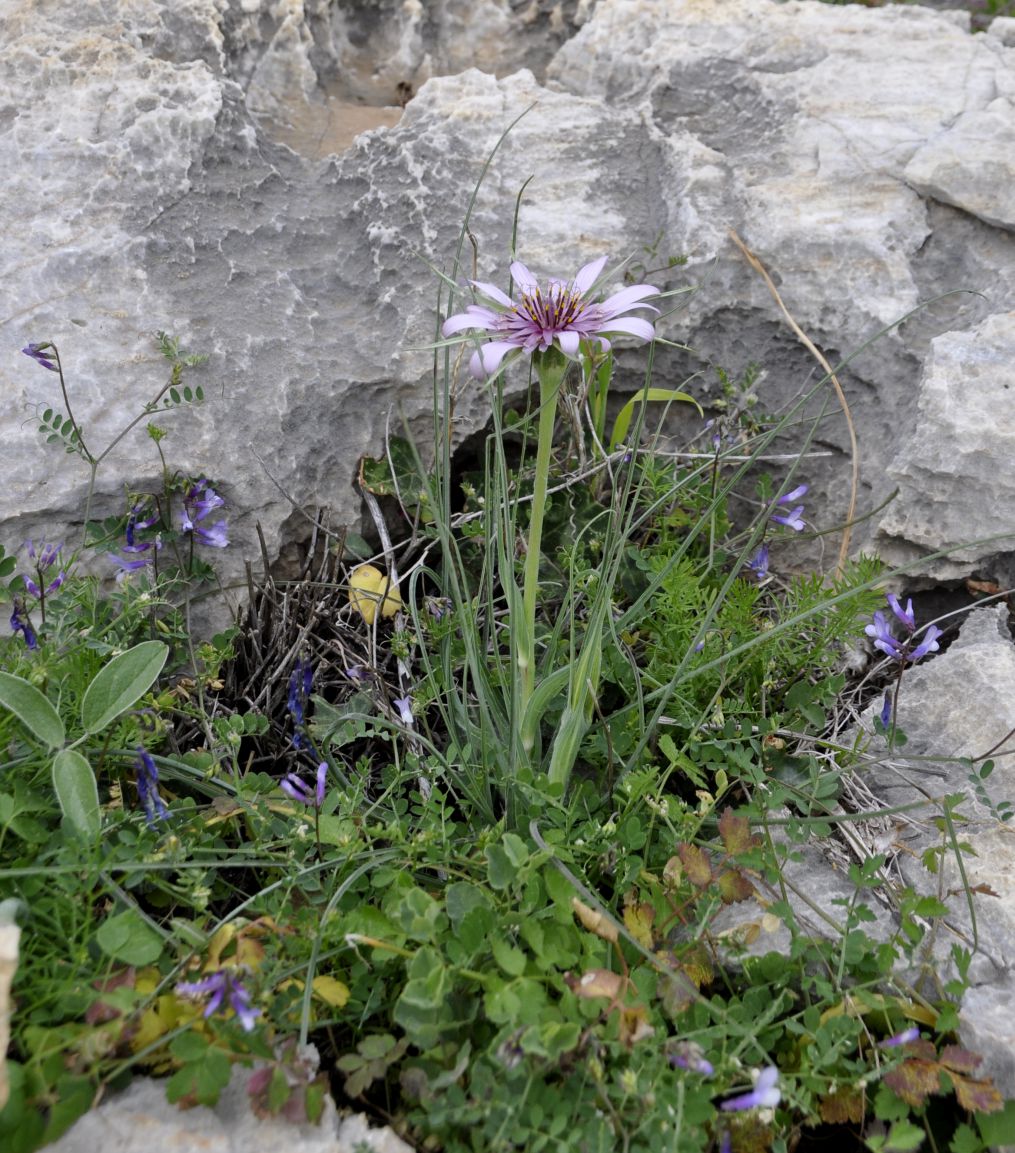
550	366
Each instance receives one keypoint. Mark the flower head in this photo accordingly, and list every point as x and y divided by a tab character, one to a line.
765	1093
44	556
404	706
21	623
41	355
141	517
564	313
794	518
221	987
147	778
296	787
198	502
880	629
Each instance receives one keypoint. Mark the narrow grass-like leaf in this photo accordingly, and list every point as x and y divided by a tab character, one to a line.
76	791
121	683
623	421
32	709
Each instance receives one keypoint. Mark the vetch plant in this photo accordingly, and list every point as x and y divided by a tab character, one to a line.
902	651
224	990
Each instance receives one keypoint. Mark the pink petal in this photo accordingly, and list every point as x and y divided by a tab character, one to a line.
627	298
524	280
632	325
466	320
493	292
587	275
568	342
488	358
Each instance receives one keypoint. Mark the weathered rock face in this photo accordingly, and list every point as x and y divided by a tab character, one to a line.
864	155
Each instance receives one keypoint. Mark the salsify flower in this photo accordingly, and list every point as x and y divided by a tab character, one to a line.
765	1093
147	778
296	787
41	355
564	313
199	501
221	987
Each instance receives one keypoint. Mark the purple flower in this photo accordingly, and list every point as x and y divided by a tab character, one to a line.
688	1055
906	617
357	673
41	355
300	683
296	787
903	1038
219	987
147	778
21	623
200	500
404	706
565	313
793	520
141	517
45	557
438	607
886	710
758	564
765	1093
880	629
796	494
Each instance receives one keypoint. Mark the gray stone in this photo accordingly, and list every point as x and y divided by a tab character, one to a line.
141	1120
9	934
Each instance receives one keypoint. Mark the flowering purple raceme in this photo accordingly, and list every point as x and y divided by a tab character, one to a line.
758	564
45	557
794	518
904	650
21	623
764	1095
147	778
141	552
219	988
199	501
564	314
296	787
300	682
41	355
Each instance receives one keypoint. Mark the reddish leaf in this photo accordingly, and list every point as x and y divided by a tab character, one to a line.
673	871
977	1096
914	1081
735	832
959	1059
696	865
734	886
843	1107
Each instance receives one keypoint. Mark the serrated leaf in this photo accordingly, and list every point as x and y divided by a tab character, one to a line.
696	865
959	1059
735	832
914	1081
843	1107
977	1096
74	784
32	709
734	886
121	683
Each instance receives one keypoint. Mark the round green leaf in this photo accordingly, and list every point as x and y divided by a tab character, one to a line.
32	709
74	783
129	938
121	684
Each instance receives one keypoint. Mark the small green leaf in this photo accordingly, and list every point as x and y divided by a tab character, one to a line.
74	783
32	709
121	683
128	937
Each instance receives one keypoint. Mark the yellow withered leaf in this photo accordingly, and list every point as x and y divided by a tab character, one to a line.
370	590
595	921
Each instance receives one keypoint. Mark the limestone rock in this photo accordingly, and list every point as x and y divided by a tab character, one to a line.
140	1120
9	934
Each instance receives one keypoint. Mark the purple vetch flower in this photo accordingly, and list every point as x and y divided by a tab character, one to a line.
141	517
41	355
44	556
886	710
565	313
357	673
201	500
221	987
689	1055
794	518
758	564
905	616
903	1038
765	1093
404	706
147	778
21	623
880	629
300	682
296	787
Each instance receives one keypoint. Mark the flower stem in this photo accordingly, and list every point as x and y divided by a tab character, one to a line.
550	366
